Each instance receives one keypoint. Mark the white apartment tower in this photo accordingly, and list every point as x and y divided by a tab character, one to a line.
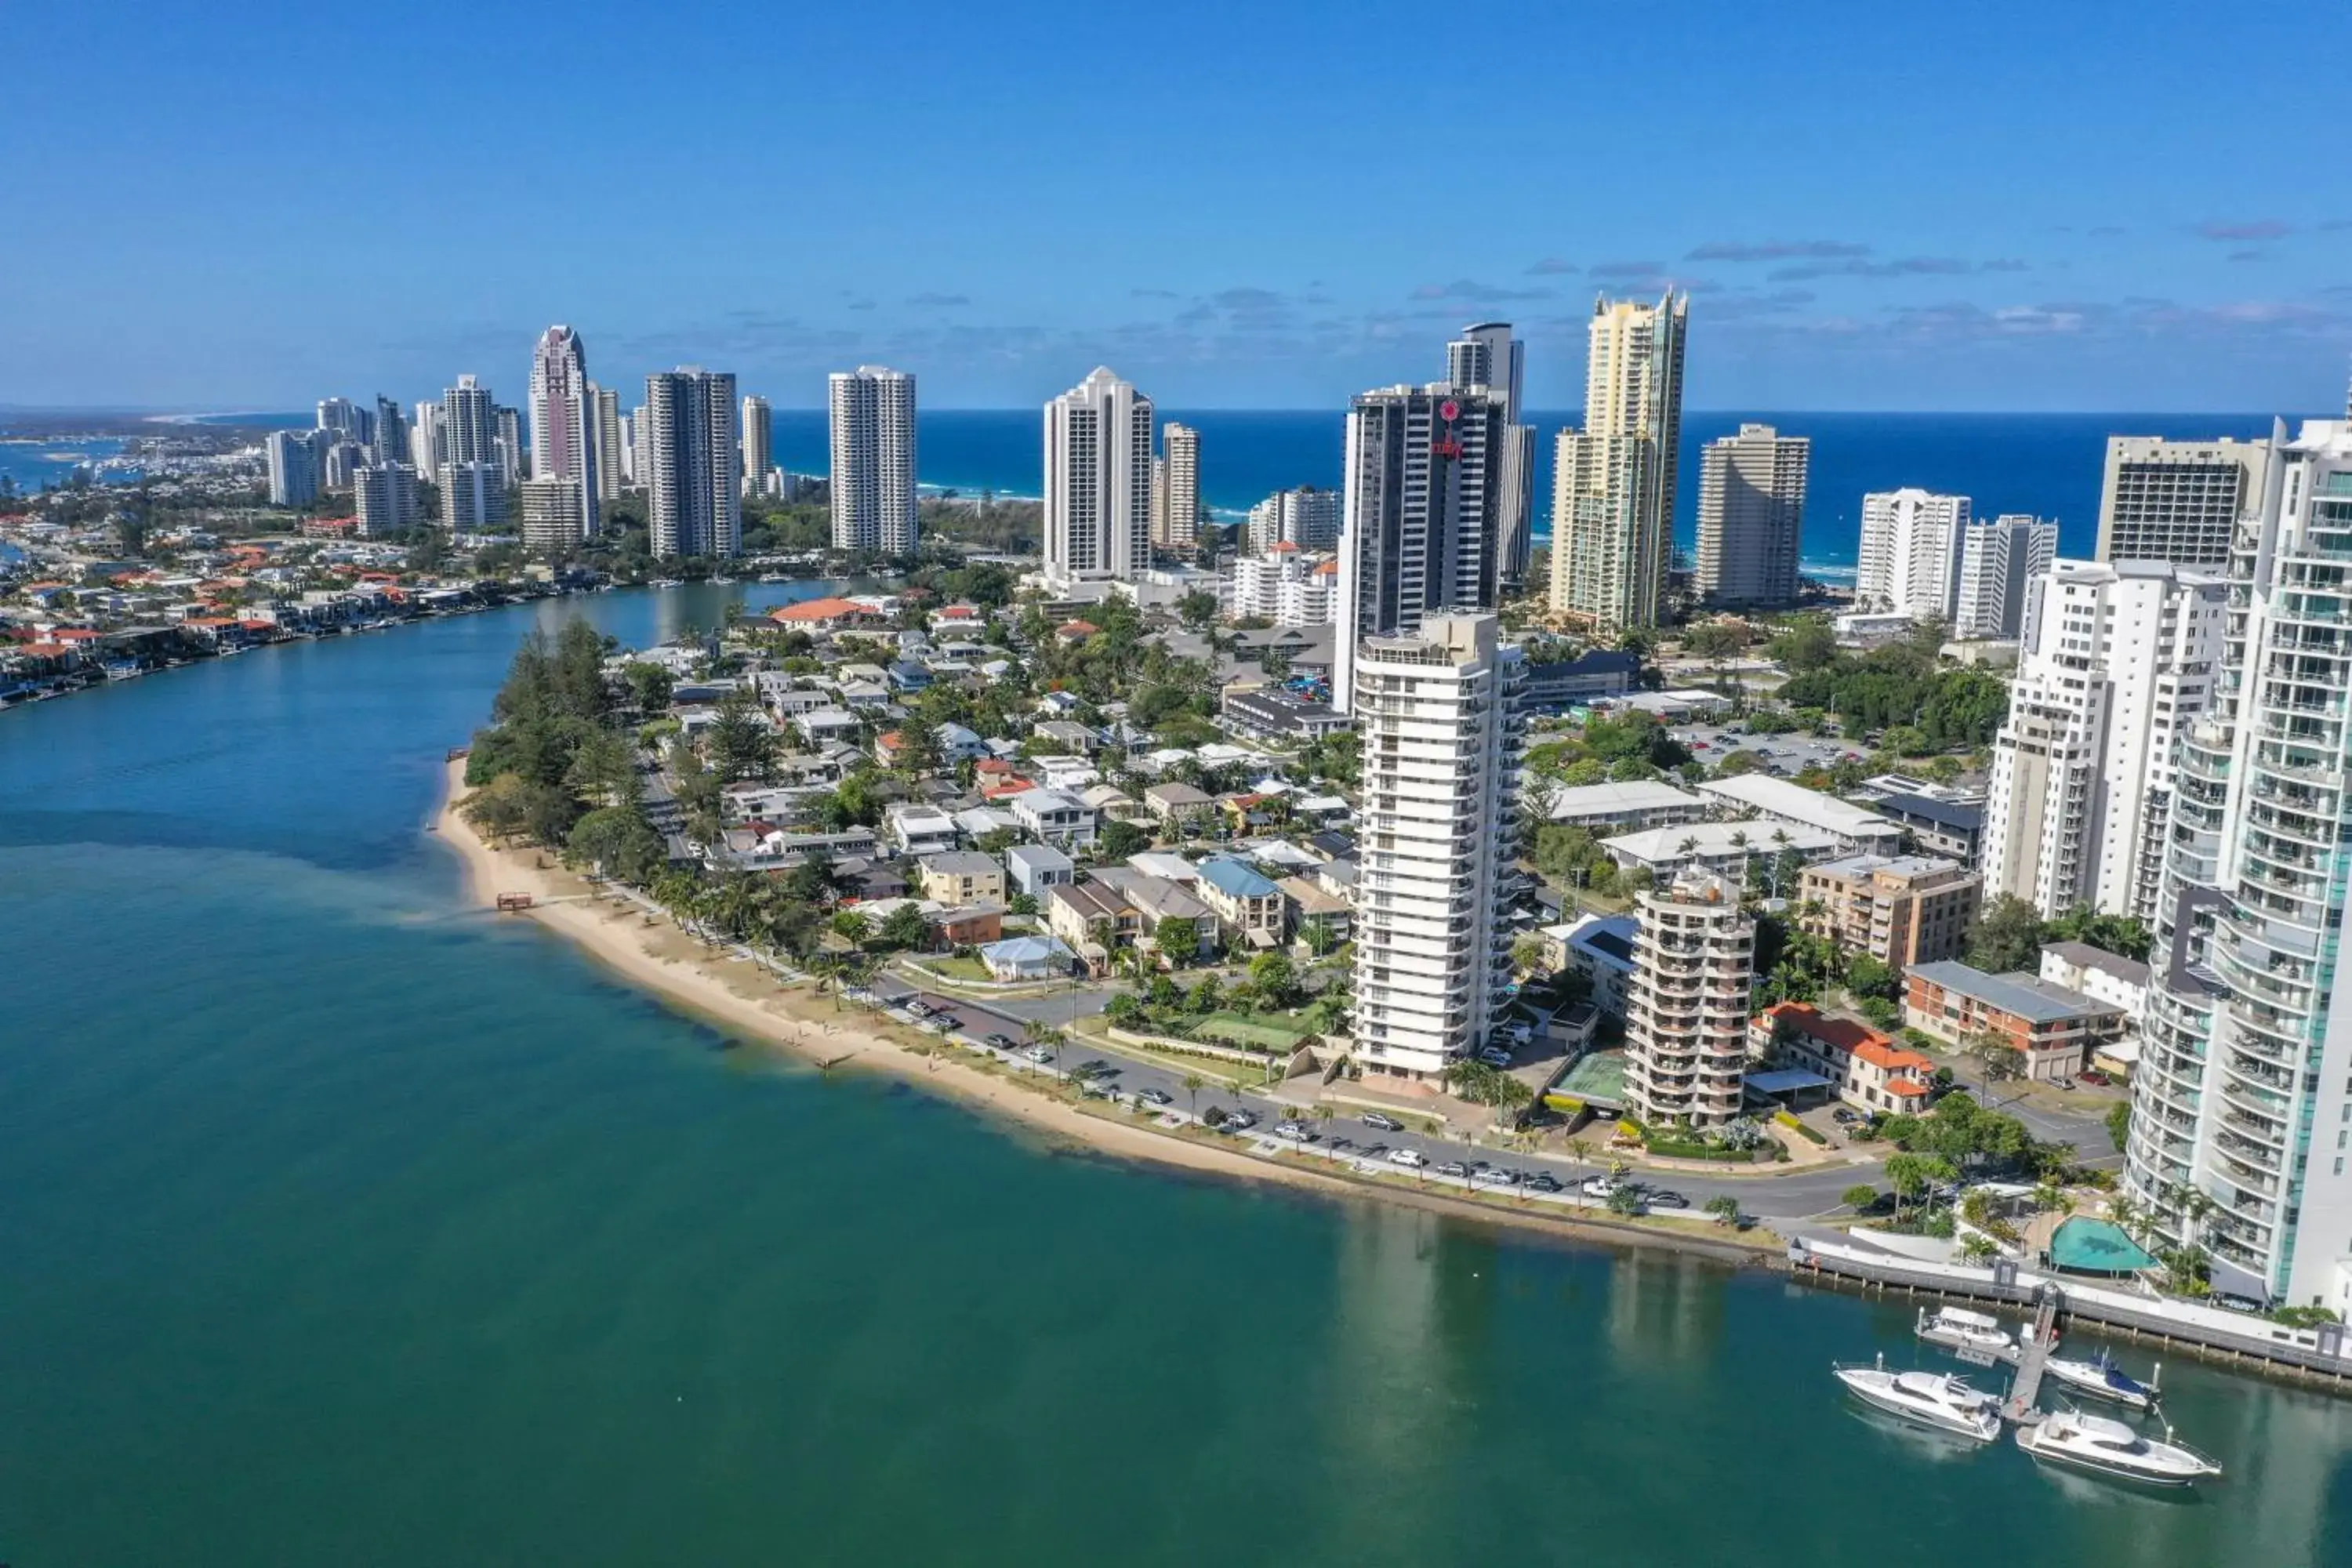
426	441
1999	557
1751	511
1487	355
1287	586
473	496
1419	522
1306	517
1910	556
468	425
564	422
611	463
2178	500
873	480
759	443
384	496
694	505
2117	657
1436	708
1098	481
1176	490
1613	483
296	466
1686	1002
2243	1091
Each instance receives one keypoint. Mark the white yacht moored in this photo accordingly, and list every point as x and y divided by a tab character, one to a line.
1928	1398
2109	1447
2101	1378
1959	1328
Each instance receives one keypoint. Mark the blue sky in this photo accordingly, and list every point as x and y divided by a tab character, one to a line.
1993	206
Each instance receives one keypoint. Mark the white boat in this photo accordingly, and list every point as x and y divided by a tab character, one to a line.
1963	1330
1934	1399
2110	1448
2101	1378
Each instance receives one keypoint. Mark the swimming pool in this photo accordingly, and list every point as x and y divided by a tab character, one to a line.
2085	1245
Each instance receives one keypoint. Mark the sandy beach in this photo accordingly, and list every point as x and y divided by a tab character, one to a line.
722	989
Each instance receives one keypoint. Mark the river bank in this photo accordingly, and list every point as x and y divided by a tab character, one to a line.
721	988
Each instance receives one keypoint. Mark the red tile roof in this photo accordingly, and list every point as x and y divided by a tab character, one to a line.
1845	1034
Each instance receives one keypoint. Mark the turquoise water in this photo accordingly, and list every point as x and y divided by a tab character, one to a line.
2096	1245
344	1225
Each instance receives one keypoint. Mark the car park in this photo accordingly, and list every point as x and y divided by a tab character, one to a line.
1379	1123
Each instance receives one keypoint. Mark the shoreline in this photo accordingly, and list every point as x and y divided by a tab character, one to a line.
680	971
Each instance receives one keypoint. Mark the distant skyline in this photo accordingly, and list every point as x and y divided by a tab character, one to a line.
2010	209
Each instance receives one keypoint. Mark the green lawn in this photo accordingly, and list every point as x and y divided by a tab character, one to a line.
1263	1032
957	968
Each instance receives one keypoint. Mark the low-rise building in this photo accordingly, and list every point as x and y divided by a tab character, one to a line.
1094	918
1597	675
2097	973
1953	828
1719	849
1171	916
1113	804
1868	1069
1308	908
1793	806
2055	1030
918	830
1601	949
1624	806
1247	903
1175	804
1027	958
1034	868
1902	911
1277	714
961	876
1052	818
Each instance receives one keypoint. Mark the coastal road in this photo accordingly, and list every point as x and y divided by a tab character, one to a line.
1800	1193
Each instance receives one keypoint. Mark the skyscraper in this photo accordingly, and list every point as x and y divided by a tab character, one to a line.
695	505
384	496
759	443
1436	705
611	460
873	479
1751	511
1686	1003
428	441
390	444
1098	481
473	496
468	425
342	416
506	443
1998	556
1910	555
1420	530
2178	500
1176	502
1306	517
1614	487
2240	1133
2116	658
1487	355
563	422
296	466
553	523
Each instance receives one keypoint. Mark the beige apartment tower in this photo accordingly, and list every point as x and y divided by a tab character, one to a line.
1686	1002
2178	500
1751	509
1613	481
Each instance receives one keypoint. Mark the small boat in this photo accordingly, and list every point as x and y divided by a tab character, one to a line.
1963	1330
2101	1378
1934	1399
2109	1447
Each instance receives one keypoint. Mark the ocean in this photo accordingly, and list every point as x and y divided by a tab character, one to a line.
2049	464
347	1224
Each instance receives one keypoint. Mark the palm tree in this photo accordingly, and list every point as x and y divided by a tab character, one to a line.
1193	1082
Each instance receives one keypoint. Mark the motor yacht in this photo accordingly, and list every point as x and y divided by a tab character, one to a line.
1928	1398
1959	1328
2101	1378
2109	1447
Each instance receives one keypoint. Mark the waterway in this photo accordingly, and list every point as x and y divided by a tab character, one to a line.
344	1223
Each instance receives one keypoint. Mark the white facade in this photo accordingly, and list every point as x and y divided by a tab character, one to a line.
873	479
1686	1003
1487	355
551	520
1441	756
1306	517
1098	481
473	496
564	422
1910	555
468	425
384	496
1999	557
1751	510
693	506
1287	586
296	467
1613	482
2117	658
758	424
2244	1089
608	448
2178	500
425	443
1420	515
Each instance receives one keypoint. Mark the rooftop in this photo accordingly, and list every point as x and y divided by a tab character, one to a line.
1964	815
1905	868
2082	955
1846	1033
1711	840
2023	996
1604	799
1797	804
1236	880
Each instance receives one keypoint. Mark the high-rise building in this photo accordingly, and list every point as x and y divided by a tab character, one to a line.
389	439
1998	556
1437	711
1613	484
296	466
1306	517
2178	500
342	416
564	422
428	442
873	481
2116	658
341	460
1686	1002
554	523
1910	555
1176	490
695	506
385	495
1419	532
1287	586
759	443
474	496
507	442
1098	481
638	436
468	425
1751	513
2240	1133
610	448
1487	355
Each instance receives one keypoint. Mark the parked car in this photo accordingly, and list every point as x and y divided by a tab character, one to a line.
1598	1186
1495	1059
1156	1096
1413	1157
1002	1042
1039	1055
1452	1168
918	1007
944	1023
1666	1200
2092	1077
1294	1130
1542	1183
1844	1116
1379	1123
1500	1178
1242	1121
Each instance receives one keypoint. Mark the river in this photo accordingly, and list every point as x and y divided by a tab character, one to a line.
344	1223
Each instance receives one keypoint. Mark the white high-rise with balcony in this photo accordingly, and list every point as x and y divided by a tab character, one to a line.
2241	1138
468	425
1998	556
1686	1002
1910	555
1098	481
693	506
1306	517
563	425
1287	586
873	479
1176	490
1436	708
759	424
2116	658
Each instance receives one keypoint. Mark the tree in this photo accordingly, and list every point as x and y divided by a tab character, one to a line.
1118	840
2000	1060
1909	1175
1205	996
499	809
2118	1120
740	744
2007	937
1271	975
1197	608
1625	1200
905	928
852	926
1193	1082
1861	1197
918	754
650	684
618	841
1724	1208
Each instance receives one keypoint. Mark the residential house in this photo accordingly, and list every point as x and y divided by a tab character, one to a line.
1114	804
961	876
1173	919
1247	903
827	726
1071	739
1034	868
1306	907
1095	919
2055	1030
979	822
1601	949
918	830
1175	805
1627	806
1053	818
969	925
1868	1070
1719	849
1027	958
